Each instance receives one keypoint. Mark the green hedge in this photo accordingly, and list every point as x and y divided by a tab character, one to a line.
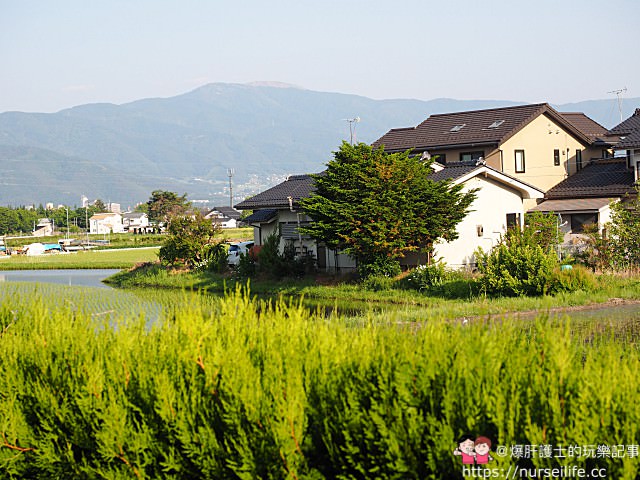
247	390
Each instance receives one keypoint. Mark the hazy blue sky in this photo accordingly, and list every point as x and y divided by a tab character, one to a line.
56	54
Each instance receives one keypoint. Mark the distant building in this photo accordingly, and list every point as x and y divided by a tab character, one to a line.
226	217
114	207
44	228
136	222
106	223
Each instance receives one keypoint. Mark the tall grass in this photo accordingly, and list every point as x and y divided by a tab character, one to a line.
246	389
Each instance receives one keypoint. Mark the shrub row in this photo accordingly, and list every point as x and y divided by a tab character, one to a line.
251	390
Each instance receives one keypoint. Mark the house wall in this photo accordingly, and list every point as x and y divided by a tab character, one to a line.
494	201
538	140
111	224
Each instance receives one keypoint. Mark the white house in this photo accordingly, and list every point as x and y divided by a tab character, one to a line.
499	203
106	223
226	217
135	222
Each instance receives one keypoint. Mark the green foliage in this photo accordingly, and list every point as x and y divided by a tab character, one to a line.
378	283
573	279
214	258
374	205
518	265
624	233
191	242
619	250
426	277
380	267
270	263
163	204
542	229
595	252
246	267
244	389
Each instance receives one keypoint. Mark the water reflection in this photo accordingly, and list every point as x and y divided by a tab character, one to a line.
78	278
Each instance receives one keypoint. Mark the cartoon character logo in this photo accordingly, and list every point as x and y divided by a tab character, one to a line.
482	446
466	449
474	452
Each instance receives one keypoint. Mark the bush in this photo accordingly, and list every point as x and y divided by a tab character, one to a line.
246	267
189	240
571	280
426	277
380	267
249	390
517	266
214	258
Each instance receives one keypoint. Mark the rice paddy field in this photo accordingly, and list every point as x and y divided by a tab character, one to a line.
90	259
101	383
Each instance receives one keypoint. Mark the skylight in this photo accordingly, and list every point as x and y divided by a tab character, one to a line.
496	124
457	128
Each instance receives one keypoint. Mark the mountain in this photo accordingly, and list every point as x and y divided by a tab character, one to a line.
188	143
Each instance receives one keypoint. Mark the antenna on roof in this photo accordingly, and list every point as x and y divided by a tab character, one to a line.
619	94
352	128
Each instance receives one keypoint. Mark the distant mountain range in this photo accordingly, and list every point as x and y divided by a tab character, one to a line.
189	143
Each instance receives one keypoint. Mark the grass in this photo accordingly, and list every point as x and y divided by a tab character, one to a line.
409	304
90	259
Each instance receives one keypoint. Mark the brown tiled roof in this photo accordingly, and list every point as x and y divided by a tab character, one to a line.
479	127
603	178
296	187
586	125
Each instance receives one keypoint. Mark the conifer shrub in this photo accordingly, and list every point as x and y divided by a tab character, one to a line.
247	389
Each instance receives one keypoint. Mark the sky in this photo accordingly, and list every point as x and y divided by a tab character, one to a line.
58	54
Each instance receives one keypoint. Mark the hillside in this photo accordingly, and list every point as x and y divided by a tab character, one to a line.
187	143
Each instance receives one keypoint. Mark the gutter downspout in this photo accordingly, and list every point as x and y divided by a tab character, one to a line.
298	220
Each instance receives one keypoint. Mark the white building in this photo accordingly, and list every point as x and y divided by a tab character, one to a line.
101	223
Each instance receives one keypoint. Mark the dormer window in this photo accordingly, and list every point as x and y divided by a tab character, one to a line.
457	128
496	124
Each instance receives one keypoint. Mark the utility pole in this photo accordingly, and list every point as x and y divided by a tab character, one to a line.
230	173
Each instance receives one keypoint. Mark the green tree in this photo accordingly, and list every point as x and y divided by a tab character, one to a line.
191	242
543	229
624	232
99	206
164	204
378	207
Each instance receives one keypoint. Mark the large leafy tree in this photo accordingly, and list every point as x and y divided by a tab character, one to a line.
378	207
164	204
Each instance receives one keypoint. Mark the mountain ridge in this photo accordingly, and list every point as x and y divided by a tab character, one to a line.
188	142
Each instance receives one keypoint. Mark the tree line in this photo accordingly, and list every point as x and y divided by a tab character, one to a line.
22	220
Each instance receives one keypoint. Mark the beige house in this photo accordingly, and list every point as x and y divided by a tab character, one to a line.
533	143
